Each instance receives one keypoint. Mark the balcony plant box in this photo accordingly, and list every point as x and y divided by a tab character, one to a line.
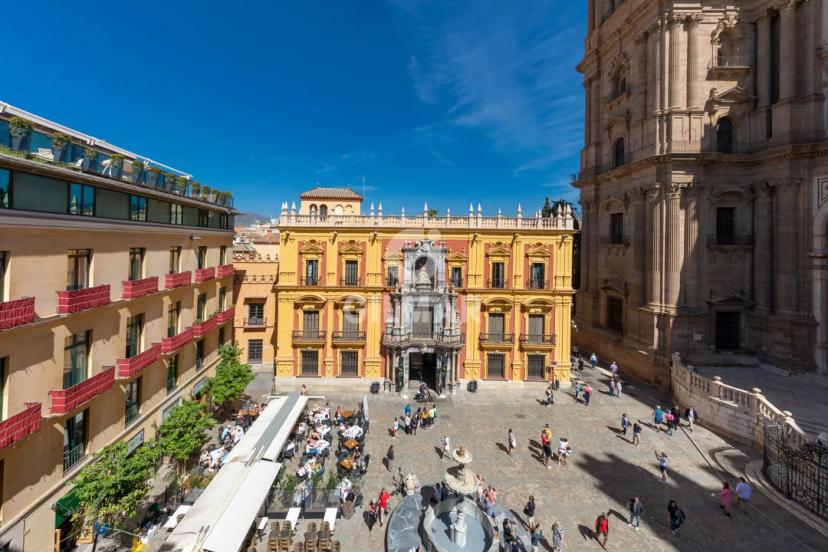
20	130
20	425
178	279
225	315
138	167
172	344
200	329
138	288
90	158
59	142
77	300
128	367
225	270
153	176
204	274
17	313
66	400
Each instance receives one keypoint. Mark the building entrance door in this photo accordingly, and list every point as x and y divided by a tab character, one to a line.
422	369
727	331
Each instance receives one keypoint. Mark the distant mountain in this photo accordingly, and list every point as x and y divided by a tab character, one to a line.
246	219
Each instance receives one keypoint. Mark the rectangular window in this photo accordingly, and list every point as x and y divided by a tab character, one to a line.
254	350
537	276
727	331
617	228
255	314
495	365
393	276
75	437
498	275
4	261
77	272
135	335
350	324
310	363
201	257
173	316
222	254
222	299
5	189
350	363
136	263
221	336
310	324
137	208
175	260
456	276
496	325
535	328
132	403
535	366
224	221
172	373
199	354
311	272
76	359
423	323
176	213
203	218
725	225
775	68
351	273
615	314
201	307
81	200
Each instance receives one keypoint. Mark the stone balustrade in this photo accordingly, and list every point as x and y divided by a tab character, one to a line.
729	410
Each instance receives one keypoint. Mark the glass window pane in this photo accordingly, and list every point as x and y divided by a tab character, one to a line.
5	189
88	201
75	199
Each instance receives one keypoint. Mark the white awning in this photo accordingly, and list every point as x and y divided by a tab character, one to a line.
237	520
278	442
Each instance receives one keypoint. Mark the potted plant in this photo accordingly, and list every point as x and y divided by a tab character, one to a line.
195	189
116	165
59	143
180	185
169	181
153	176
90	156
20	129
138	167
205	192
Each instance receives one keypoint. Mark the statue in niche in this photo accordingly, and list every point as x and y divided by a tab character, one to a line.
423	279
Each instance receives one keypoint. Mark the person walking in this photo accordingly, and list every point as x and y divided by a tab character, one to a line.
593	360
529	510
415	422
611	386
726	498
580	363
511	442
535	537
658	417
743	492
662	465
625	423
550	398
395	428
432	416
614	369
676	517
546	444
557	537
669	419
578	388
563	451
373	509
382	501
690	414
618	387
587	394
389	457
636	509
446	447
602	529
636	432
407	409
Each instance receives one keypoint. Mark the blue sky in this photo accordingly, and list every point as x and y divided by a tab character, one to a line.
441	101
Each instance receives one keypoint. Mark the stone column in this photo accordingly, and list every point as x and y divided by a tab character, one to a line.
693	100
586	205
763	247
642	81
785	246
676	89
588	112
674	258
692	243
787	50
654	250
595	115
592	252
763	48
639	244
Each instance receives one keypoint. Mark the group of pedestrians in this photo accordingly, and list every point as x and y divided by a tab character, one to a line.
424	417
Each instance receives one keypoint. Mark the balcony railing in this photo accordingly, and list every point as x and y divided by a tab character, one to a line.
348	336
537	339
731	62
743	240
350	282
225	315
22	424
392	282
309	336
255	322
497	338
77	300
16	313
66	400
224	270
537	284
497	284
205	274
138	288
456	282
310	282
172	344
72	456
130	414
396	337
179	279
200	329
128	367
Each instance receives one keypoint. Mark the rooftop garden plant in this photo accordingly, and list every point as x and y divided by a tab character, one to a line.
59	140
19	127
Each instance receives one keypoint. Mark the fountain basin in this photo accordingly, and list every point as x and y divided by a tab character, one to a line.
438	520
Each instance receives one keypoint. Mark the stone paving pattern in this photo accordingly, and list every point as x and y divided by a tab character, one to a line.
604	472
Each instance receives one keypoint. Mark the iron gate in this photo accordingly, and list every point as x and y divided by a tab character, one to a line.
800	473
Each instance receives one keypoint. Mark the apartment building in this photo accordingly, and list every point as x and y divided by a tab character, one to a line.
115	293
256	264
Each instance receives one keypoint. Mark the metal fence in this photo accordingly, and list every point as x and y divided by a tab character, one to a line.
800	473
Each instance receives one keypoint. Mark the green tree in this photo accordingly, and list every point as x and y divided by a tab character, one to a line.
182	432
111	488
432	213
232	377
546	211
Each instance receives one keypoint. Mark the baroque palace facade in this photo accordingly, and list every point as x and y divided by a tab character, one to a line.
703	182
115	294
439	300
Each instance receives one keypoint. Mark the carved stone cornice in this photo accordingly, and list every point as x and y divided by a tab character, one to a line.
694	19
675	189
653	192
638	194
786	5
676	19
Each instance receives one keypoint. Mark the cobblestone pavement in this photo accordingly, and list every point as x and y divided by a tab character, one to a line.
605	470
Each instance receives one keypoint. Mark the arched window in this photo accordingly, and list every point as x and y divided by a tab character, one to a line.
338	210
313	210
724	135
618	154
323	211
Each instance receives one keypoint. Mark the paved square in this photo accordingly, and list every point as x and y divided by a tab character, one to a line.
604	472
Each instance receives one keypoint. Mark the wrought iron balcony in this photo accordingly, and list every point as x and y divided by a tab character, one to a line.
21	425
138	288
128	367
205	274
309	336
255	322
537	340
738	62
349	336
131	414
200	329
73	456
224	270
172	344
66	400
313	281
350	282
17	313
179	279
497	338
396	337
533	283
77	300
497	283
456	282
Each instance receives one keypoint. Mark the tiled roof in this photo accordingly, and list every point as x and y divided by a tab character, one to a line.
243	248
321	192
